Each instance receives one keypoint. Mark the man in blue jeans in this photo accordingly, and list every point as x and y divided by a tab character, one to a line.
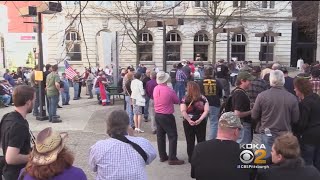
65	94
76	86
241	106
181	79
212	90
53	87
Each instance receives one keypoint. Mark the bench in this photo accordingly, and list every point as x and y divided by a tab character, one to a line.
113	92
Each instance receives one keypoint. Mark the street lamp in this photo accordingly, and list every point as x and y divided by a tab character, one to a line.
44	8
34	52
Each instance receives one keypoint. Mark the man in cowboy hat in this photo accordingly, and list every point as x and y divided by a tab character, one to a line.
164	100
14	132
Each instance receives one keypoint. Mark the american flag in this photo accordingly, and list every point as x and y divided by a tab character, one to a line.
70	73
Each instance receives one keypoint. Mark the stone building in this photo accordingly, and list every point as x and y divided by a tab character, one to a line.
105	40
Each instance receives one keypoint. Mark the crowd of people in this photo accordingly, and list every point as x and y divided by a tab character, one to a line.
282	110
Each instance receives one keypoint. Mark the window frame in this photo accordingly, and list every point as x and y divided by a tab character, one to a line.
172	43
238	4
197	43
144	3
267	5
75	43
201	4
173	4
148	42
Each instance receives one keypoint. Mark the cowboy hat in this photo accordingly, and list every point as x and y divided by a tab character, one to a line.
47	146
162	77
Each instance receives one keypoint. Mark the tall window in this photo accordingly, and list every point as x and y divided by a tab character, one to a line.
241	4
73	45
238	47
268	4
145	46
201	3
201	46
266	48
173	46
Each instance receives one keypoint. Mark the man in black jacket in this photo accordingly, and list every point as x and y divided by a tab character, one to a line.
287	162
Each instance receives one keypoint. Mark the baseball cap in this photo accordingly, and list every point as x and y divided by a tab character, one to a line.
230	120
245	75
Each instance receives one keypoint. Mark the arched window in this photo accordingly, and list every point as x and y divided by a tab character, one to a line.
238	47
173	46
73	46
266	48
145	46
201	46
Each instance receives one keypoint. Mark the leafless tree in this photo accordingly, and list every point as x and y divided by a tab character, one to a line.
218	13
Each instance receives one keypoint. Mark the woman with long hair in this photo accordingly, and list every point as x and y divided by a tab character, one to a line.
194	108
308	127
50	159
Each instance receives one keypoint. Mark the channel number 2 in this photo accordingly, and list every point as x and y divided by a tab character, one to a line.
260	154
210	87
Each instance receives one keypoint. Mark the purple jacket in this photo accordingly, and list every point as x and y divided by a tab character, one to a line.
150	87
71	173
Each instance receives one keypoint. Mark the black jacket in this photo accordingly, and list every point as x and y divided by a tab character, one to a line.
293	169
308	126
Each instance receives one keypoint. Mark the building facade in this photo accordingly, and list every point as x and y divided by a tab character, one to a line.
109	27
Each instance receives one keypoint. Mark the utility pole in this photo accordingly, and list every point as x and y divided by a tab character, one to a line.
164	24
228	30
31	11
164	50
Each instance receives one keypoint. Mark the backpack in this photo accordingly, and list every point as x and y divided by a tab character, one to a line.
227	105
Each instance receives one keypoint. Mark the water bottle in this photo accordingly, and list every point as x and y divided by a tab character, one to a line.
267	132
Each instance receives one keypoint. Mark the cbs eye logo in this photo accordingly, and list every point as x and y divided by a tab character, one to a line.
247	156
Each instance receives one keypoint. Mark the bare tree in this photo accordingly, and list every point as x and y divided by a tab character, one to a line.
133	16
218	13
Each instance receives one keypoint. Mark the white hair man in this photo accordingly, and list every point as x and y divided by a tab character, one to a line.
275	110
275	66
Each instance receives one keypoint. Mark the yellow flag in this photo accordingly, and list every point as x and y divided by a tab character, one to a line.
38	75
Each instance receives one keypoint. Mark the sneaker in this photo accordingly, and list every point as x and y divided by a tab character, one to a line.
154	132
146	120
59	106
175	162
139	130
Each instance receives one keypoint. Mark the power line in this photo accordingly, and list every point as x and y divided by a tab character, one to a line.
17	7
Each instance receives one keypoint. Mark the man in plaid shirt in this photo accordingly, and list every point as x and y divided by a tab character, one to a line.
315	81
258	85
181	79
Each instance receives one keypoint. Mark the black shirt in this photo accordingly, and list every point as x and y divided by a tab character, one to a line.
212	90
14	132
217	159
289	85
45	74
241	102
222	71
144	82
173	73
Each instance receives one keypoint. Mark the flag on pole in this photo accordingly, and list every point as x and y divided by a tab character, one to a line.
70	73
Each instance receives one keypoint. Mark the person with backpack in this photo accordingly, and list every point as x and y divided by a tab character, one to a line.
241	106
15	134
212	90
